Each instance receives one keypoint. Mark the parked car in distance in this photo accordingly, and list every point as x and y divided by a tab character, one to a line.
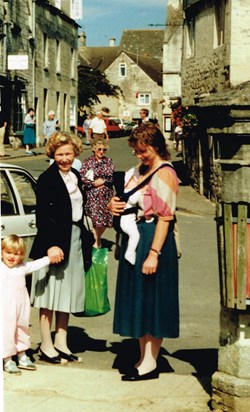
119	122
80	131
18	203
128	127
113	128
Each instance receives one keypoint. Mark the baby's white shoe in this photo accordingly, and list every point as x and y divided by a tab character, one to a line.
130	257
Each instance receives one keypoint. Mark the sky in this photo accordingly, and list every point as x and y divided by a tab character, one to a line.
106	19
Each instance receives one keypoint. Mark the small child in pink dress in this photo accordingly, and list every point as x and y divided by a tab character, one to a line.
15	303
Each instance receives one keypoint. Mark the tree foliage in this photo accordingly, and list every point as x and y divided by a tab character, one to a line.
91	83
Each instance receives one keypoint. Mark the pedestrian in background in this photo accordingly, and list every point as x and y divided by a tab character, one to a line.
98	128
86	125
97	184
59	217
147	303
29	136
15	302
50	126
144	116
2	134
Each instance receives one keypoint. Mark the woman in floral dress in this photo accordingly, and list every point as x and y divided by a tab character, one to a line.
97	179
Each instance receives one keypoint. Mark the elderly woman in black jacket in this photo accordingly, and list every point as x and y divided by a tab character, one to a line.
59	223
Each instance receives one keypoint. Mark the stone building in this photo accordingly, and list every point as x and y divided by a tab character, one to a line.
172	59
38	62
136	67
216	87
215	56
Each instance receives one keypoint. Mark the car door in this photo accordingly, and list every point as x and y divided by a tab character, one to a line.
18	205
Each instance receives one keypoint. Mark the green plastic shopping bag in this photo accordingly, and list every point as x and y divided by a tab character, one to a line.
96	284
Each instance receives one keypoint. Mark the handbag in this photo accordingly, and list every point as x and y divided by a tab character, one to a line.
96	284
88	240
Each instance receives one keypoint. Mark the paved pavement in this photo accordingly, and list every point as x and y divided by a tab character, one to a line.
78	388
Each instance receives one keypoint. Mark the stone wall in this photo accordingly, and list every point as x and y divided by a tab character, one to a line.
204	76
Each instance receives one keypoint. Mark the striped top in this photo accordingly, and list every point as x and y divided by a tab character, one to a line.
158	198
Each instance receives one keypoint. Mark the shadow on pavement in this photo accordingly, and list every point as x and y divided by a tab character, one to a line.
204	361
79	341
128	353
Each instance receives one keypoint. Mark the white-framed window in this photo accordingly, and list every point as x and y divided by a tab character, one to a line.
219	22
122	70
76	9
58	57
58	4
58	100
190	36
72	111
144	99
46	51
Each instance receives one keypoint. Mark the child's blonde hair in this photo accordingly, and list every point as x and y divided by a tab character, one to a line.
14	243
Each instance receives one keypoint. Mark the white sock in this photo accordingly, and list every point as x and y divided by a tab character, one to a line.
130	256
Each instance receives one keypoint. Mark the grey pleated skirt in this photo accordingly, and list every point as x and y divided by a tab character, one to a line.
62	288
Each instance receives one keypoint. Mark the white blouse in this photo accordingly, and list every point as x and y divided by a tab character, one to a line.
75	195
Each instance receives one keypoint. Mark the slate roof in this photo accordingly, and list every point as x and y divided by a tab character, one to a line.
148	42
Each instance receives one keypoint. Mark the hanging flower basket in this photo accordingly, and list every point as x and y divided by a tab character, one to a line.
184	118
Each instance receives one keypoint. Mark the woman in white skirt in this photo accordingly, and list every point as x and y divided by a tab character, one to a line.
59	288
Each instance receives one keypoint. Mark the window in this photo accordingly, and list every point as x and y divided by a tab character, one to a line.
190	33
57	104
58	57
58	4
46	51
72	74
219	26
26	191
20	110
8	206
72	111
144	99
122	70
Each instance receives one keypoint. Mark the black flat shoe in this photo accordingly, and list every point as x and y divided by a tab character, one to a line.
69	357
134	377
54	359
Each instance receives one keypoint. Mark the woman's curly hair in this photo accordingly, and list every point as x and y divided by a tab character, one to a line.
59	139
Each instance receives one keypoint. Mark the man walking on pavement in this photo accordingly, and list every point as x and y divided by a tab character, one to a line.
98	128
144	116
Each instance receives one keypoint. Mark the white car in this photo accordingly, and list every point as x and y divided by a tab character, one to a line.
18	203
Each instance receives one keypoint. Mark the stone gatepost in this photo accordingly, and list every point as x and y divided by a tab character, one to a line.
231	382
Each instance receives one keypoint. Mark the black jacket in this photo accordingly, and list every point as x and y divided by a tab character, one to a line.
53	213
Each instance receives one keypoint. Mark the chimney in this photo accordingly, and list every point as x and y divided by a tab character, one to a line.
82	40
112	42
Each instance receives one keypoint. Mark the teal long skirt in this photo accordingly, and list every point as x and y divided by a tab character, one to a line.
148	304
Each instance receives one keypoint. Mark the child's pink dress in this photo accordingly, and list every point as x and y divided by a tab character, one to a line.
16	305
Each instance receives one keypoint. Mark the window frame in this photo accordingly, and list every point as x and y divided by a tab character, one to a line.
122	68
144	99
